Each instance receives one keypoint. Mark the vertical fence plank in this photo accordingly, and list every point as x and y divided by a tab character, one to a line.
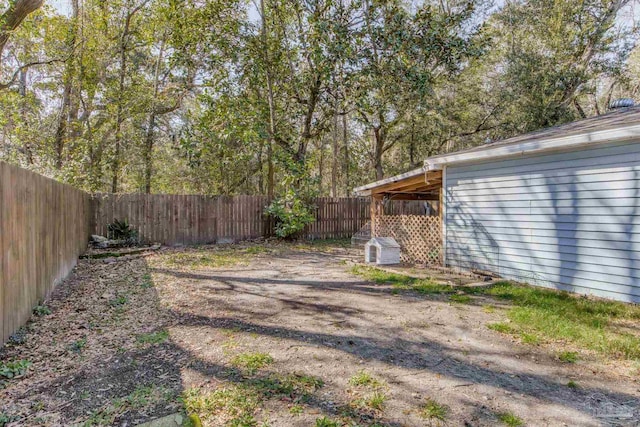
187	219
44	226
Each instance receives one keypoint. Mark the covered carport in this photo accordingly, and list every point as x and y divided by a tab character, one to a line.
419	236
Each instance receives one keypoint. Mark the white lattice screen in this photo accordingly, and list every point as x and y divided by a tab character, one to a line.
419	236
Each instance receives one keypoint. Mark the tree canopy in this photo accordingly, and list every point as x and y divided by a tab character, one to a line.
293	98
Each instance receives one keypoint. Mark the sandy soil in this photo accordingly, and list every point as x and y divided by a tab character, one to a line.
306	310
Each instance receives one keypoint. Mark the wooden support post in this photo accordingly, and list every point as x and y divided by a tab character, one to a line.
377	210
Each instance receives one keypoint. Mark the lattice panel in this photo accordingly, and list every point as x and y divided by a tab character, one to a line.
419	237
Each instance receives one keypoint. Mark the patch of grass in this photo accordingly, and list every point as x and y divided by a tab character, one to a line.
434	411
78	345
297	387
510	419
322	244
257	249
487	308
41	310
529	339
553	315
4	419
118	301
235	405
374	401
401	282
147	281
363	378
572	384
14	369
461	298
296	409
568	357
326	422
380	276
205	258
140	398
251	361
500	327
153	337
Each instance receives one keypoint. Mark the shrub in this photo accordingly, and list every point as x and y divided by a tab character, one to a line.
14	369
121	230
291	213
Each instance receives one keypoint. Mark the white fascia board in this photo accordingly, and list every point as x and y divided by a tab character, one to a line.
365	190
531	147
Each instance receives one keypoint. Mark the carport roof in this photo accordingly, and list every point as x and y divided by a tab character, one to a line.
615	126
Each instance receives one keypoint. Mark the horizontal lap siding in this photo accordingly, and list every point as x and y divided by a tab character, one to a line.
568	220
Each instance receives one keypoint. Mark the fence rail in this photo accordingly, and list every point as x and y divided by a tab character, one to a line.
182	219
44	226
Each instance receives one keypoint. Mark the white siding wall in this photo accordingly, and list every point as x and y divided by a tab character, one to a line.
565	220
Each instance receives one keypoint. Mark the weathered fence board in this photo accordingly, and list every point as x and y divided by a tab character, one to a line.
44	226
185	219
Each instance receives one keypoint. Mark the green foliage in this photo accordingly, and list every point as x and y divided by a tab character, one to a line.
296	409
402	282
363	378
78	345
121	230
291	213
510	419
141	398
552	315
236	404
461	298
373	401
326	422
568	357
252	361
14	369
434	411
118	301
41	310
157	337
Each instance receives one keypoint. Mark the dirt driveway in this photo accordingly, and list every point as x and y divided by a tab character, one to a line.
287	337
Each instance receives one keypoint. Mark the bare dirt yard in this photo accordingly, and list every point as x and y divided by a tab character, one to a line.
296	335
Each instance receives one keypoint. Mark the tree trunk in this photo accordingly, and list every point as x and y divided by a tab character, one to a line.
336	155
378	145
345	144
65	108
149	140
270	99
13	17
115	164
148	150
28	151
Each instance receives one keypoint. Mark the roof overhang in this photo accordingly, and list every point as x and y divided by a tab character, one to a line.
418	184
627	133
499	151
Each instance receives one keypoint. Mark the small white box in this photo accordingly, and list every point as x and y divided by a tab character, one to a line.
382	251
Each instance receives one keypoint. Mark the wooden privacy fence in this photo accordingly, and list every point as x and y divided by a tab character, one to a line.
182	219
44	226
419	237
